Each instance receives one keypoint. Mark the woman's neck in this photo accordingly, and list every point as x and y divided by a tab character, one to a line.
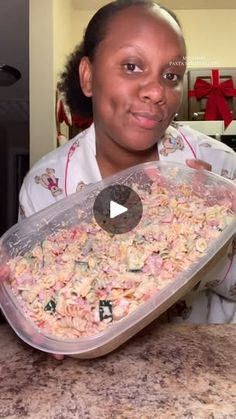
114	158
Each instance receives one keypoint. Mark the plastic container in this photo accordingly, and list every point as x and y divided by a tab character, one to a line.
24	235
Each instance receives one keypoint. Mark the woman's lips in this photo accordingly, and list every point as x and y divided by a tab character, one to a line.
147	120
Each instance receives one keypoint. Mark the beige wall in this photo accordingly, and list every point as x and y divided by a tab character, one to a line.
62	44
50	43
210	36
55	28
79	23
62	34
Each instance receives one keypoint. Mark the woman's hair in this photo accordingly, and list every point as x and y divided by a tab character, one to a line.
94	34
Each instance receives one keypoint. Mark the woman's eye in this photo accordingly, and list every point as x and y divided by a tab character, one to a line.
132	68
172	77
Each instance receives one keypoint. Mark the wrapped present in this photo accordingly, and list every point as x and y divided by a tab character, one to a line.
64	115
217	94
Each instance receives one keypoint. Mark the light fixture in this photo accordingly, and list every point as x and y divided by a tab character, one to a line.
8	75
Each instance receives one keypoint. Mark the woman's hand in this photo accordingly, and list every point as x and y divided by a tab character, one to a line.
59	357
198	164
4	272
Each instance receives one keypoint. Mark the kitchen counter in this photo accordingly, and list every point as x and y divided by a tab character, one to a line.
166	371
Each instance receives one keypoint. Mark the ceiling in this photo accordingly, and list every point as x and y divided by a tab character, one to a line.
172	4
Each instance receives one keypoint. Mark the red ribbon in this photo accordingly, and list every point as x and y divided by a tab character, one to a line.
64	115
217	107
80	122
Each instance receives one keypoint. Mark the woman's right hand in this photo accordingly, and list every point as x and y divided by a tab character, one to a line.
4	272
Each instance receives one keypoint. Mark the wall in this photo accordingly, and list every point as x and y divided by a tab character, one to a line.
79	22
62	44
209	36
62	34
208	33
50	42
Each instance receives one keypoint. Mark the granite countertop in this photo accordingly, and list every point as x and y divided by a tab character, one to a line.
166	371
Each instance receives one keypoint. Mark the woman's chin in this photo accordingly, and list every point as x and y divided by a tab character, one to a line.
142	142
140	148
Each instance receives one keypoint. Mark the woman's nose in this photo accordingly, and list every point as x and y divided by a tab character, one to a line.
154	92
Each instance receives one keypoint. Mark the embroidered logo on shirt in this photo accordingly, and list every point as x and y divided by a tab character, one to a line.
171	144
50	182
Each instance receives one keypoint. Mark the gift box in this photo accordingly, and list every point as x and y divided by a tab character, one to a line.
212	94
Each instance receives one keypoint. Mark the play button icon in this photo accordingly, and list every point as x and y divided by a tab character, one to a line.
117	209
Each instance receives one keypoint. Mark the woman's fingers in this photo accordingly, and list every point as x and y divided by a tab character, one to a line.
4	272
59	357
198	164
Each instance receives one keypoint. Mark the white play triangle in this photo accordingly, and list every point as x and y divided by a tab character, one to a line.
116	209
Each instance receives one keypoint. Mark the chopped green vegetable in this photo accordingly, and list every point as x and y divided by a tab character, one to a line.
50	306
105	310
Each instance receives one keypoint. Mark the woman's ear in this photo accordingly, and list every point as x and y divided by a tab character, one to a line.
85	75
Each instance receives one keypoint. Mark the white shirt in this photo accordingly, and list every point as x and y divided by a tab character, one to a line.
66	169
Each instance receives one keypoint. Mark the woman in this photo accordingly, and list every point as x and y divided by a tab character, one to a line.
128	75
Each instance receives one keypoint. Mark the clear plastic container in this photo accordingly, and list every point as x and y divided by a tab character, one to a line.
64	214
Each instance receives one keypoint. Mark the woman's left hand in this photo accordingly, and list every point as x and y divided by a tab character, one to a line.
198	164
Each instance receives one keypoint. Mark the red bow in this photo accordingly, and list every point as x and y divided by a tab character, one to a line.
216	92
80	122
64	115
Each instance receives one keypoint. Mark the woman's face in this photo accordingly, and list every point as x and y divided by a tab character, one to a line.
137	78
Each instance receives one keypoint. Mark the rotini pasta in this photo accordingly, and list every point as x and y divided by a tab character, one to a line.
62	282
